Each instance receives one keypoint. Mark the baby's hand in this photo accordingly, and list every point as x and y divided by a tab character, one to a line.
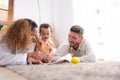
34	57
47	58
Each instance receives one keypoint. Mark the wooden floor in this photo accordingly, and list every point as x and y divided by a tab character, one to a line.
6	74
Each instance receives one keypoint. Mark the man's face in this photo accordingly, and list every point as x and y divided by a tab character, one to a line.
74	39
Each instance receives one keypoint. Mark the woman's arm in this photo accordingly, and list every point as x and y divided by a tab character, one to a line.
8	58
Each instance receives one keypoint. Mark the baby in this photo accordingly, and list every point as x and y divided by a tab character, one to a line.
44	44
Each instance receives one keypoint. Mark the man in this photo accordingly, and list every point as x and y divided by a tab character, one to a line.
77	46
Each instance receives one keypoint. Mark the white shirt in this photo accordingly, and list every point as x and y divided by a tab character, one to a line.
7	58
84	51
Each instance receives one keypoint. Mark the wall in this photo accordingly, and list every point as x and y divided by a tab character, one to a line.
26	9
58	13
62	18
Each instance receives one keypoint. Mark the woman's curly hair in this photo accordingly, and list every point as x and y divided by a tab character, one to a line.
18	35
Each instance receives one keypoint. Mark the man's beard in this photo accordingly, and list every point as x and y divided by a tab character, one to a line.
74	45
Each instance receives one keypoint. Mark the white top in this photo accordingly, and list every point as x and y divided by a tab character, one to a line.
84	51
7	58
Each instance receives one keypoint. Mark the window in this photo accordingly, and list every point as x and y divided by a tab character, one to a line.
6	11
101	21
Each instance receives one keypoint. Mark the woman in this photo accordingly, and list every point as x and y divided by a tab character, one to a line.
16	43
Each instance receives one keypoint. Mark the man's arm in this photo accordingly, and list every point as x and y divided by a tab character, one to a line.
88	55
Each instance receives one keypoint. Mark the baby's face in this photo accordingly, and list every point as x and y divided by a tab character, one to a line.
45	33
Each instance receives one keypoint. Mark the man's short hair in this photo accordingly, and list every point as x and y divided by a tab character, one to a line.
78	29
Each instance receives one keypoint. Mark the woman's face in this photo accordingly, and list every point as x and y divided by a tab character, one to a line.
33	34
45	33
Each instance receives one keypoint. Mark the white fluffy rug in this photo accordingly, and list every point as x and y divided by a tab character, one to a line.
69	71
